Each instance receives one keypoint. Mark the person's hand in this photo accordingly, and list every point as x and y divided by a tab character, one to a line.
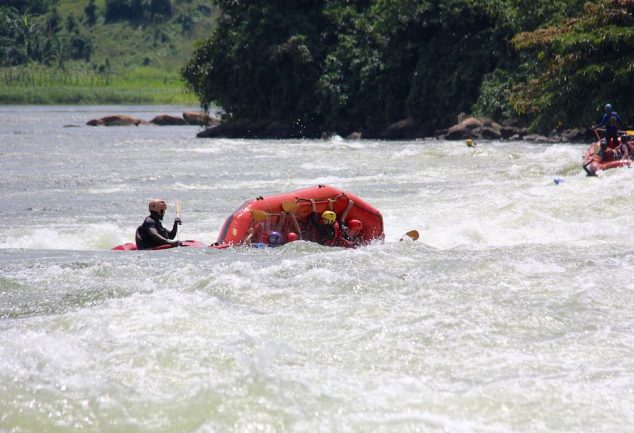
176	243
178	221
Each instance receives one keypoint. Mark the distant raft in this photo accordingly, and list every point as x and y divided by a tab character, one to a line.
593	163
263	214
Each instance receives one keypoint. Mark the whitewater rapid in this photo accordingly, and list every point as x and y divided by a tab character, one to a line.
511	313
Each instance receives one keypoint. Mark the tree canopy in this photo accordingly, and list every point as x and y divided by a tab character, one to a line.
362	64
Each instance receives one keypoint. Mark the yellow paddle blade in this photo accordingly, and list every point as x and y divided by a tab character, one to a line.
413	234
178	208
289	206
259	215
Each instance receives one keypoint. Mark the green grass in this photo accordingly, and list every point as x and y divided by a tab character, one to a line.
142	62
37	84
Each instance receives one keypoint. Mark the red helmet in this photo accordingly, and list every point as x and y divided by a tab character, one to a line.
291	236
355	225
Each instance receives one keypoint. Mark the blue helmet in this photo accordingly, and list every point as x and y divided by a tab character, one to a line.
275	238
608	108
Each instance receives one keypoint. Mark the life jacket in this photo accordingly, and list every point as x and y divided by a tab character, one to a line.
612	121
333	240
144	240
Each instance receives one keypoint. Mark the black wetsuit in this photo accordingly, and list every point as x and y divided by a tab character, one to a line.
327	234
152	234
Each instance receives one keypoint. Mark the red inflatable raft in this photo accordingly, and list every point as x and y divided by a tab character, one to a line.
263	214
592	162
190	243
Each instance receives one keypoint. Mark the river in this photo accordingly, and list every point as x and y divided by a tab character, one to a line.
513	312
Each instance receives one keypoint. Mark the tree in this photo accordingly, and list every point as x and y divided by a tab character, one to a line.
581	64
91	13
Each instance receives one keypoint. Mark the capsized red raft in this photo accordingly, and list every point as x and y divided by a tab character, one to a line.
592	162
237	225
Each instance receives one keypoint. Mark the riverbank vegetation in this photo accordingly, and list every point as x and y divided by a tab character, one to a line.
363	65
99	51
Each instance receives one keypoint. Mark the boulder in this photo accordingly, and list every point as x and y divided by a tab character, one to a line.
168	120
402	130
200	118
458	132
471	123
116	120
508	131
265	128
536	138
577	135
487	133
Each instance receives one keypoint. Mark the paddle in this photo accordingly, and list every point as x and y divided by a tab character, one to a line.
178	209
290	206
412	234
259	215
178	217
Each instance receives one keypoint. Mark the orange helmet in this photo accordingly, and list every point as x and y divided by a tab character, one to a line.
355	225
329	216
158	206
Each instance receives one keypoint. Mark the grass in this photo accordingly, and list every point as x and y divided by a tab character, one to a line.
36	84
140	62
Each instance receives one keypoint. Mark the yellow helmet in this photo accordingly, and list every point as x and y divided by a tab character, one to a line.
158	206
329	216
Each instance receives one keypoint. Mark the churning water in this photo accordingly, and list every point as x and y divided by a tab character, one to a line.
513	312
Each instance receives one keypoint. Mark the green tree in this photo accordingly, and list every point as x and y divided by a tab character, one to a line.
91	13
262	60
582	64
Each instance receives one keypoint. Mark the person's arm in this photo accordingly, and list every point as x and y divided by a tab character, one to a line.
313	215
154	234
298	230
281	222
248	238
177	222
346	210
603	121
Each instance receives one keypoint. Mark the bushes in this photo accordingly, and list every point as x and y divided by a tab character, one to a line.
137	10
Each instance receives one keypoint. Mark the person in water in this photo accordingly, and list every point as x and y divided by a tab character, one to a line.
151	233
257	236
351	233
326	226
350	230
612	122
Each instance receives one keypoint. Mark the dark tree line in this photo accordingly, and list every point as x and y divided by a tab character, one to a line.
137	10
364	64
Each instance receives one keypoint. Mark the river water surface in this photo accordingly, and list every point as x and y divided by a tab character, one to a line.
513	312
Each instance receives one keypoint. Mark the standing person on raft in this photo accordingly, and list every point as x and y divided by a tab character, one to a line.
612	122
